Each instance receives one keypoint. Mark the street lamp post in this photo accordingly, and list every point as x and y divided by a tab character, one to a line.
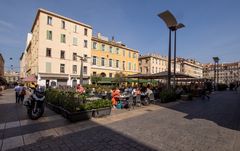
82	59
178	26
216	60
170	21
172	24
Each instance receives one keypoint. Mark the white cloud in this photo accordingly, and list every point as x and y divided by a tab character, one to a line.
4	25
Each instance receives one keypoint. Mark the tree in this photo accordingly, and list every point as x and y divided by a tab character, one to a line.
119	78
96	78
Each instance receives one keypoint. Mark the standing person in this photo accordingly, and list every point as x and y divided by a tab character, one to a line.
22	93
80	89
17	90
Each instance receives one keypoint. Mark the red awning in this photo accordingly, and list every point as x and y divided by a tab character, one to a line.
31	78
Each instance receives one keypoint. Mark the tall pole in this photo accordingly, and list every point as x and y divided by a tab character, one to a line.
174	68
214	75
169	62
81	72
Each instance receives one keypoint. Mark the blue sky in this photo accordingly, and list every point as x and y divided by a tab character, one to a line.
212	26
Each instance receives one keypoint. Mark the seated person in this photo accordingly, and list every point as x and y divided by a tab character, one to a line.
148	91
115	94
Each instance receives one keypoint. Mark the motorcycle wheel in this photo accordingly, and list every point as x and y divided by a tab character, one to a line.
35	115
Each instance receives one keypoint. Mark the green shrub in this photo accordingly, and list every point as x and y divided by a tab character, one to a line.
167	96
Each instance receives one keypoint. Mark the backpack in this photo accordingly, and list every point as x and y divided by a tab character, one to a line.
23	92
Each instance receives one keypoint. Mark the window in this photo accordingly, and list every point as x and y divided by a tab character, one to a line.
48	67
94	60
129	66
103	47
141	69
129	54
75	41
74	56
146	69
63	24
117	50
110	75
63	38
62	56
94	73
75	28
110	49
74	69
85	43
85	31
153	60
117	63
48	52
156	70
124	53
134	55
123	65
134	67
102	61
49	34
110	62
94	45
85	56
85	70
152	69
49	20
62	68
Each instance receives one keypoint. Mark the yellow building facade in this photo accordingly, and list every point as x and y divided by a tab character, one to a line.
110	57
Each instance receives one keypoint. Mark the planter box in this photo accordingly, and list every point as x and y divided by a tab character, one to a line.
77	116
54	108
102	112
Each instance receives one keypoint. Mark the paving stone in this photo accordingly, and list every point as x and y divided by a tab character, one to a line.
12	142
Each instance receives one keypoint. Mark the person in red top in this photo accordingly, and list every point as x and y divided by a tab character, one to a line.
115	94
80	89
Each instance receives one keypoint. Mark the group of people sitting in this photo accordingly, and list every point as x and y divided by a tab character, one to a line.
134	91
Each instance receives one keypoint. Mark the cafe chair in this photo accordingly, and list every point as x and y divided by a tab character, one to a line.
138	100
130	102
152	99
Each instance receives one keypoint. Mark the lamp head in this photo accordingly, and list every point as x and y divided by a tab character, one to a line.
168	18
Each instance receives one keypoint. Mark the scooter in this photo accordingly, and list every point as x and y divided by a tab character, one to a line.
35	105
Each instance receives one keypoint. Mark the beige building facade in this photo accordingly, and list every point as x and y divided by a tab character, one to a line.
110	57
53	49
190	67
154	63
11	76
226	72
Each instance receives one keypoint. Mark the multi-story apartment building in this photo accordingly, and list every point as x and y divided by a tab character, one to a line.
227	72
154	63
1	66
110	57
11	76
52	52
191	67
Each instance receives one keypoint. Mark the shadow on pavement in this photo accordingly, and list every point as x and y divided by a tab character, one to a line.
223	109
95	138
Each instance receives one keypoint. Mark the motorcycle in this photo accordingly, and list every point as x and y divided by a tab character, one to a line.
35	105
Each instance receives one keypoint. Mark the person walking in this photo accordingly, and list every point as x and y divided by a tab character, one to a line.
22	93
17	90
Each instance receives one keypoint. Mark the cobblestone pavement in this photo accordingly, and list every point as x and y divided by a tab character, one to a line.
196	125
